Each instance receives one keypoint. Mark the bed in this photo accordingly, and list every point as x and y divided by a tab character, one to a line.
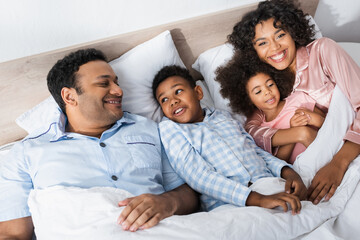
199	44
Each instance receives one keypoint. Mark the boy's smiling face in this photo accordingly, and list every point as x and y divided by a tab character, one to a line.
179	101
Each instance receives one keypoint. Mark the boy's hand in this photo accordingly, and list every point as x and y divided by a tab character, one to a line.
275	200
294	184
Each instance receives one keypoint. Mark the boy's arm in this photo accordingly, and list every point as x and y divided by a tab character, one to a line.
294	183
197	172
275	200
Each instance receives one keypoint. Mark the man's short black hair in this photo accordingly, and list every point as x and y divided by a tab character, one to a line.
63	73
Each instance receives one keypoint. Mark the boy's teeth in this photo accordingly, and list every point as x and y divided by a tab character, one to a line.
178	110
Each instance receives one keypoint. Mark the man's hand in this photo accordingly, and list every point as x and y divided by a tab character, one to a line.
144	211
147	210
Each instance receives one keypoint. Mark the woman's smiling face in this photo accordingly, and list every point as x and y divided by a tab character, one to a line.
274	45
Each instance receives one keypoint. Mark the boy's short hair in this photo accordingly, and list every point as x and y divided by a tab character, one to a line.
171	71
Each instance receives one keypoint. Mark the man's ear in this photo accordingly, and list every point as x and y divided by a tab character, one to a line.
69	96
199	92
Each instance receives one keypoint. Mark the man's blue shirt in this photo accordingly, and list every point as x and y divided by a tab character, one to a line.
129	156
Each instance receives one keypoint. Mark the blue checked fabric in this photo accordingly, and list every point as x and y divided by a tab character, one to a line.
217	158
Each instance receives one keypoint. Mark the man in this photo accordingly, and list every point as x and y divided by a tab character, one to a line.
93	143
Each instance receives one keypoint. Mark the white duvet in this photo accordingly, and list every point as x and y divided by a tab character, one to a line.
74	213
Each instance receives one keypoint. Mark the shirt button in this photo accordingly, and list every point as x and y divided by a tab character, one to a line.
102	144
113	177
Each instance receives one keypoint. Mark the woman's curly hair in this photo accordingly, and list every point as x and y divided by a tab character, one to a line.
286	16
234	76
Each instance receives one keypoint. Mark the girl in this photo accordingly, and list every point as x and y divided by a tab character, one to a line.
254	86
279	34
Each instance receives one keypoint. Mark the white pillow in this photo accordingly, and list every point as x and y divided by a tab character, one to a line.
206	64
135	69
39	116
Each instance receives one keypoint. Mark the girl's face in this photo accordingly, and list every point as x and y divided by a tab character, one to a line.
274	46
263	92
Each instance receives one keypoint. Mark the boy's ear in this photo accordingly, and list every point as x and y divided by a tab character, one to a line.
199	92
69	96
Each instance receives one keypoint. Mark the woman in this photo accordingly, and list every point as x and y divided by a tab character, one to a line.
279	33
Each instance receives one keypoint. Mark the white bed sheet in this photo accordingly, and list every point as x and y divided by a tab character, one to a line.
73	213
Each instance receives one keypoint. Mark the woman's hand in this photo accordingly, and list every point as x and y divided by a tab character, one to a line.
329	177
325	182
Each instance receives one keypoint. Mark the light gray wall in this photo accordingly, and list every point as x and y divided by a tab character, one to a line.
339	19
29	27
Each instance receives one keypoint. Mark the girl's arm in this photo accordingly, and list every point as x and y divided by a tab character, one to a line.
284	152
269	138
302	134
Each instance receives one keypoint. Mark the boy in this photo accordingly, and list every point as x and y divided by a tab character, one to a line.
212	152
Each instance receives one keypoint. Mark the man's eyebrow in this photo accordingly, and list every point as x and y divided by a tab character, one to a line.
104	76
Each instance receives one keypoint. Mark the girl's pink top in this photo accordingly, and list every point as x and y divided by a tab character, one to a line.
282	121
319	67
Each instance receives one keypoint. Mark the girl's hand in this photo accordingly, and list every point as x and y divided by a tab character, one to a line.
299	119
315	118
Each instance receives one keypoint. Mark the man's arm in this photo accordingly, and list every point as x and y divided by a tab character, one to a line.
147	210
21	228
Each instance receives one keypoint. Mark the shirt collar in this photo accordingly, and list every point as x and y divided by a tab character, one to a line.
208	113
59	127
302	58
